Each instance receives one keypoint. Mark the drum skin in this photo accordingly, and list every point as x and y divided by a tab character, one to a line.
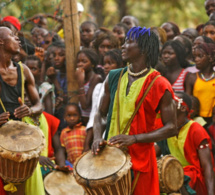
59	183
20	148
108	173
171	174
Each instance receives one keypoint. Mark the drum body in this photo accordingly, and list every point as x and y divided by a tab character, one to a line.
171	174
58	183
105	174
20	147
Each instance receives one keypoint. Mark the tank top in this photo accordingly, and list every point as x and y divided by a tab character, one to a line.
9	94
178	85
205	92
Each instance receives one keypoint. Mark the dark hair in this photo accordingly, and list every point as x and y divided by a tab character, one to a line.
134	19
175	28
75	105
101	37
187	44
91	55
206	39
195	102
27	46
116	55
179	51
90	23
58	44
210	22
186	98
124	26
34	58
148	43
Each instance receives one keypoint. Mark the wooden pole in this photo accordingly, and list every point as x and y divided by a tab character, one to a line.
72	42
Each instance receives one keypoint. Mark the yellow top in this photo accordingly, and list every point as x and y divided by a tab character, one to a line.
205	92
176	144
126	103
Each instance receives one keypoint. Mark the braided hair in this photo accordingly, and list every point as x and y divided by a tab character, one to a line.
147	41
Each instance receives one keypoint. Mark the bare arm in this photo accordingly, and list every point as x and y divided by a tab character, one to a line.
48	103
100	120
33	95
206	163
168	115
189	83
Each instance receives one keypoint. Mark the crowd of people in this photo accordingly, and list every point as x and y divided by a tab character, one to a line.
115	67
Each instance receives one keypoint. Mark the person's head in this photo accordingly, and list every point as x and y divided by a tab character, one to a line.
34	64
161	33
12	23
87	59
190	33
195	107
38	35
199	29
72	114
173	53
112	60
186	43
104	42
40	21
87	30
171	29
209	6
120	30
9	42
201	39
212	16
204	56
59	54
48	38
141	41
209	30
130	21
183	103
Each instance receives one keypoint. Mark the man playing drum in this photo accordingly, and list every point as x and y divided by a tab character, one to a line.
119	102
12	106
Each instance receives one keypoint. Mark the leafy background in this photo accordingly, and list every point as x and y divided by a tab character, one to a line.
109	12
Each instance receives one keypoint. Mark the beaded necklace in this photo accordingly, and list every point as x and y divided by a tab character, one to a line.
207	79
136	74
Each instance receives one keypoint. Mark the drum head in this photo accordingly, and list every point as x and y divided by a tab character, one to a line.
58	183
110	161
17	136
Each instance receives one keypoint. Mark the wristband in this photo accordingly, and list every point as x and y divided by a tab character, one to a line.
135	138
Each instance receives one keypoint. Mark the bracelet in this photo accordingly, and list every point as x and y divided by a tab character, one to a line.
135	138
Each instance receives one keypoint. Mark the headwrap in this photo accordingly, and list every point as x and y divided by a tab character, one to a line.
13	20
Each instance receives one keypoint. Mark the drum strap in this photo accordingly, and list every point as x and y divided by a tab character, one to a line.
22	92
135	182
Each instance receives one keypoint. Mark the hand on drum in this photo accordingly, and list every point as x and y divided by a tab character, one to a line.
122	140
4	117
97	145
22	111
63	168
46	162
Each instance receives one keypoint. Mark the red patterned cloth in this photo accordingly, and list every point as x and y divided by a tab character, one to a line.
2	191
73	141
143	155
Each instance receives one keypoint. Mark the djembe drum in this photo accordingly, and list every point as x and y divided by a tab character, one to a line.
171	174
58	183
20	147
107	173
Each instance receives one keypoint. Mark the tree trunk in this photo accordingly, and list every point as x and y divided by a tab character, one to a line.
98	10
122	7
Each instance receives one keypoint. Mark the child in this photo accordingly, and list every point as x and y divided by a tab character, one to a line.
87	31
87	79
72	138
112	60
201	84
120	30
46	90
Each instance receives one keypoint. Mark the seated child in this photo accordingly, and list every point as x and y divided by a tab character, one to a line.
73	136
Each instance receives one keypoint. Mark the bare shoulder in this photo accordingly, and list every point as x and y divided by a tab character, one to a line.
191	78
27	73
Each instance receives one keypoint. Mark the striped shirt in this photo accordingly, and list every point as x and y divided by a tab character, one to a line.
178	85
73	140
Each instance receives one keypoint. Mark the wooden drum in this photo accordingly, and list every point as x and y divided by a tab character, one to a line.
58	183
107	173
171	174
20	148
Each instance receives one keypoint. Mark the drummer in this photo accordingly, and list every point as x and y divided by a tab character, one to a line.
141	50
12	107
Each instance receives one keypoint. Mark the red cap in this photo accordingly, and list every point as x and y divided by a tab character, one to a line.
13	20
